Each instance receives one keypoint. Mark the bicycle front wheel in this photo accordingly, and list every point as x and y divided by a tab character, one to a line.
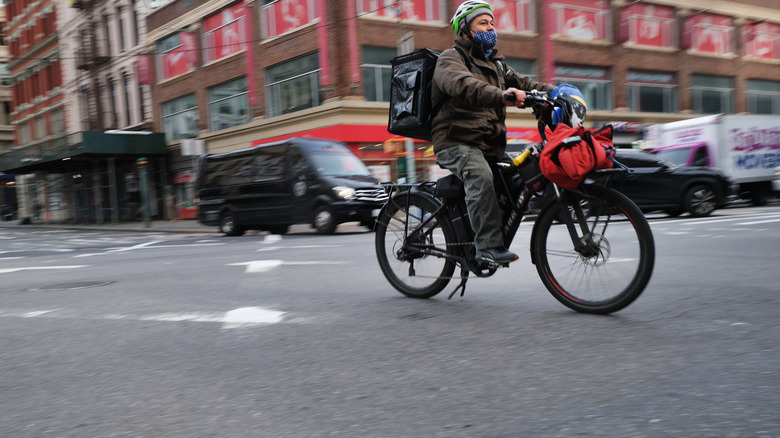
411	245
615	262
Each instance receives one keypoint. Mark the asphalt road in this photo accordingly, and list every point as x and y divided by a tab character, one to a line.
110	334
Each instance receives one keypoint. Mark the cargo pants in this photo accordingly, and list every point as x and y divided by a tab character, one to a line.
469	164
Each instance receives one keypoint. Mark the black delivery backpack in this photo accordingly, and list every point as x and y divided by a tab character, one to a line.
410	94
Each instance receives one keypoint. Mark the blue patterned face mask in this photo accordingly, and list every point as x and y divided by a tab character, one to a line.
486	39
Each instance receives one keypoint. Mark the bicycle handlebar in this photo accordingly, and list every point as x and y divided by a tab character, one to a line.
532	97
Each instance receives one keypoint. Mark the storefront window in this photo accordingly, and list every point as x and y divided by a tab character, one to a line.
712	94
763	97
594	82
654	92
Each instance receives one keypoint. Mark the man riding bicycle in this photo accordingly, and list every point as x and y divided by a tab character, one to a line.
470	127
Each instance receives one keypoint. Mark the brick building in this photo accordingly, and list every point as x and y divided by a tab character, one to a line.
226	74
322	68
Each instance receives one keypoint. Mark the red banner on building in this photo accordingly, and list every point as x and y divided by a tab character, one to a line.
585	20
143	69
190	48
224	32
648	25
709	33
285	15
762	40
514	15
414	10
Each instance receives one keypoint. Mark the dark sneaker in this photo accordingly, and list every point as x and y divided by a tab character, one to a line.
497	254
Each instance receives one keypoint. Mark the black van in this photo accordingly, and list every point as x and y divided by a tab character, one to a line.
297	180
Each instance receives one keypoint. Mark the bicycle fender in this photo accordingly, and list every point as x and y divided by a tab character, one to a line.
398	197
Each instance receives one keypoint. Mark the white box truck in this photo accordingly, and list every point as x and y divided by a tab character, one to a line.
745	147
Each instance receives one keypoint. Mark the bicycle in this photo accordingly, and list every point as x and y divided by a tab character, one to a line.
592	247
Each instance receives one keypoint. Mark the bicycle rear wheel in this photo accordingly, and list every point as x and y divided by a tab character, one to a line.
616	264
410	253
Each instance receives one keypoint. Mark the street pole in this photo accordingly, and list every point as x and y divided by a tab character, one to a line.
144	190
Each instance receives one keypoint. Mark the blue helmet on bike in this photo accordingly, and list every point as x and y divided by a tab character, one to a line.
570	107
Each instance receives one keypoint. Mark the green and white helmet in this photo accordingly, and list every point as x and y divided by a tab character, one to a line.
460	21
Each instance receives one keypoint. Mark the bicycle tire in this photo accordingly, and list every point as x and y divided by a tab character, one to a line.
619	265
412	272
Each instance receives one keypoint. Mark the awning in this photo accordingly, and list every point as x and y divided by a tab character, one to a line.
51	155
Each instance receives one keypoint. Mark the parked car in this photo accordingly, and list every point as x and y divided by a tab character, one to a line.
659	185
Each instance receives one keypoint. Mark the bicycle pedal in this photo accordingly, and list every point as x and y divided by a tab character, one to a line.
489	264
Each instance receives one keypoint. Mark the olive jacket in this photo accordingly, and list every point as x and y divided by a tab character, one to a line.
472	111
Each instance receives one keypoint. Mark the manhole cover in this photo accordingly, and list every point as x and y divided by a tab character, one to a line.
71	285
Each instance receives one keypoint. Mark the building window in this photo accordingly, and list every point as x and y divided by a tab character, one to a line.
107	33
120	13
57	122
141	102
377	72
228	105
293	85
24	133
712	94
224	32
40	127
763	97
595	83
136	24
653	92
112	116
180	118
175	55
126	92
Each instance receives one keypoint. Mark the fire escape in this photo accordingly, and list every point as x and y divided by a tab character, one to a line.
91	56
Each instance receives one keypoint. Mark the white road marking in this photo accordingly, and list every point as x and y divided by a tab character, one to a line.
38	313
256	266
241	317
34	268
259	265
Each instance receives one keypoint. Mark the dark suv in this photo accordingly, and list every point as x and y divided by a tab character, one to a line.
659	185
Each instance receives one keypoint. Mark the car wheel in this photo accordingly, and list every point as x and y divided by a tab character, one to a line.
700	200
759	195
228	225
324	220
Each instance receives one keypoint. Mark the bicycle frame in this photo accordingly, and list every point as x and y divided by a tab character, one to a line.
453	210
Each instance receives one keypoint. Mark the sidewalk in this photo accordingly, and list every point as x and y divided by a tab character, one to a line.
160	226
179	226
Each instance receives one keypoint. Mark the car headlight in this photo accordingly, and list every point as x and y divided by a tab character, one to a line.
344	192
